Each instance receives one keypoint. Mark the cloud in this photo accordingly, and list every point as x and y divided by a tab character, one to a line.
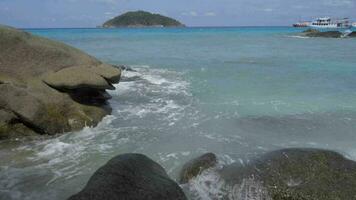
210	14
196	14
268	9
190	13
338	2
111	2
299	6
108	13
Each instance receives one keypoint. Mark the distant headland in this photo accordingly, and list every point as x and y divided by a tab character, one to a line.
141	19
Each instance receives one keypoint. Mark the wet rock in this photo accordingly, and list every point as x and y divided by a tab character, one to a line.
353	34
50	87
126	68
194	167
130	176
299	174
5	119
325	34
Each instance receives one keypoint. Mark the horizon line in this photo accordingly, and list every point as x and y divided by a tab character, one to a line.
237	26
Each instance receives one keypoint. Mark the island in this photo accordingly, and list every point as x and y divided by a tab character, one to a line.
141	19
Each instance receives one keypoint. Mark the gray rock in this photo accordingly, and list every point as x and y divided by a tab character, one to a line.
75	78
131	177
196	166
126	68
326	34
296	174
50	87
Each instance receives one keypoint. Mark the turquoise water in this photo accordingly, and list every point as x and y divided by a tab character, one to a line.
237	92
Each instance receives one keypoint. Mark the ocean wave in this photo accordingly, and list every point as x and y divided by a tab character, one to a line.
159	96
157	93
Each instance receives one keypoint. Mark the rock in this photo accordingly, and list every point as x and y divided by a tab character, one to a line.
77	77
194	167
298	174
50	87
130	176
326	34
126	68
353	34
5	120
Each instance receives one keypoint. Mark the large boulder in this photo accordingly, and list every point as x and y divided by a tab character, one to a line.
294	174
131	177
325	34
195	167
48	87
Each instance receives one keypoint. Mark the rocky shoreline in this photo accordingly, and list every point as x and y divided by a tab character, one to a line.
48	87
288	174
327	34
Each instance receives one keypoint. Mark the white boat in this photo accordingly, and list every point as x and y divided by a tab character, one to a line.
326	22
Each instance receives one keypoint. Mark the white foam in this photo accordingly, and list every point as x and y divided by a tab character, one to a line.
208	186
298	36
122	88
63	155
153	79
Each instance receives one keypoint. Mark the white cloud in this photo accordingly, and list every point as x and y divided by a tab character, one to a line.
190	13
338	2
101	1
299	6
210	14
196	14
193	13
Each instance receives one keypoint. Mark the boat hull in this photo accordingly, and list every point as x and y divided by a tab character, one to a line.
324	26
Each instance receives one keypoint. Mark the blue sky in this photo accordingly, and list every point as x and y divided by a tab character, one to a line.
90	13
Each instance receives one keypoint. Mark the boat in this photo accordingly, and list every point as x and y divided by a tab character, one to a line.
301	24
327	22
354	24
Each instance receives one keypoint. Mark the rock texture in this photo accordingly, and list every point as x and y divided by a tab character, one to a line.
326	34
131	177
353	34
295	174
48	87
194	167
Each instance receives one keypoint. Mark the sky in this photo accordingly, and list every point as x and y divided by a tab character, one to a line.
91	13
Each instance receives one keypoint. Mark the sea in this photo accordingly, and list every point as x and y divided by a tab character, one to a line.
238	92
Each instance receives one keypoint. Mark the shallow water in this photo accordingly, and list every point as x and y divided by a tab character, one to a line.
237	92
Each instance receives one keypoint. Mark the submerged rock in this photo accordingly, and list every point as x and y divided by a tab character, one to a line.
48	87
296	174
130	176
194	167
326	34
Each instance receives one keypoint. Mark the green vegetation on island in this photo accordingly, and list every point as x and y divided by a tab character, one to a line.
141	19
